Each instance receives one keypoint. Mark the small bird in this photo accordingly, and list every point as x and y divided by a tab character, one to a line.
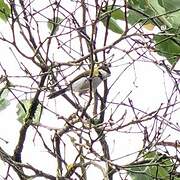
81	83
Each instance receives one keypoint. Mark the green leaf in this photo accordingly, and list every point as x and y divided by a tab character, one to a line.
112	15
4	11
154	166
134	17
22	111
141	173
170	5
159	10
115	12
3	101
142	15
113	26
138	4
173	5
168	46
53	24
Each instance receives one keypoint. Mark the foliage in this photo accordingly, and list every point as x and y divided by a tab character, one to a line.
164	14
53	24
109	17
4	11
23	110
3	99
109	130
153	166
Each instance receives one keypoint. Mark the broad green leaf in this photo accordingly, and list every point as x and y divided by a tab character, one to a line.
113	25
138	4
152	8
168	46
156	7
159	10
115	12
53	24
135	17
139	173
22	111
148	172
3	99
150	155
155	166
155	156
4	11
4	92
170	5
158	171
173	5
114	15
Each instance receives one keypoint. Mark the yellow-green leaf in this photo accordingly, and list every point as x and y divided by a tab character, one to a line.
3	98
4	11
53	24
23	109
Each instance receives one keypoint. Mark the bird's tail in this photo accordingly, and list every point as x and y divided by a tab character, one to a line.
57	93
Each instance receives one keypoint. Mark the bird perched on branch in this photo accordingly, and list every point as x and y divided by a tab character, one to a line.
85	82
